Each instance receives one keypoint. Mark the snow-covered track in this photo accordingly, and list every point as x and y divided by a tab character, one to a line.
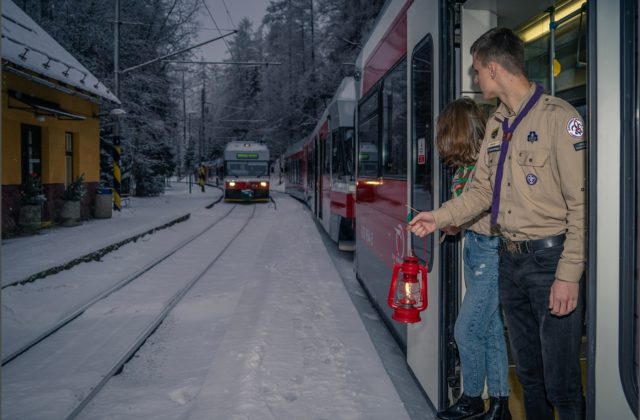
119	285
71	366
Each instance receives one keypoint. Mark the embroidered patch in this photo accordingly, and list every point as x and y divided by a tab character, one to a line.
575	128
532	137
531	179
579	146
494	146
494	133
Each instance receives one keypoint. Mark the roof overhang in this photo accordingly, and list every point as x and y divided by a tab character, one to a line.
41	107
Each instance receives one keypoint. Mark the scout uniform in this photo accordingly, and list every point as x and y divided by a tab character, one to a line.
542	191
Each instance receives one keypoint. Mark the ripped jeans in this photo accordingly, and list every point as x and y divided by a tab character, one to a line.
479	331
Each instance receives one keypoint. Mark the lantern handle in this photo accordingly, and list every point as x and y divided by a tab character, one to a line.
423	291
392	287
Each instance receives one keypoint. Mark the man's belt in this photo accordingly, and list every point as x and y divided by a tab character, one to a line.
530	246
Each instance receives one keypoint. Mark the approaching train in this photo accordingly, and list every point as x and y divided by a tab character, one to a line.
321	171
246	171
415	61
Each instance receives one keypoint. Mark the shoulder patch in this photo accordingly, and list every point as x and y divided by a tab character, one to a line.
575	127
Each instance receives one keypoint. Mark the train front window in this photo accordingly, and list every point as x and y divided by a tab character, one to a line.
236	168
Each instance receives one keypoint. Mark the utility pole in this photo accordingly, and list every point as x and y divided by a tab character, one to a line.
117	149
184	125
202	114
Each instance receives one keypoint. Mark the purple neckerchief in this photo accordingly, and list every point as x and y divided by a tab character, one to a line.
507	133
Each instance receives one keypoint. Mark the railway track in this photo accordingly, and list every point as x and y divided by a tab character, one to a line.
60	371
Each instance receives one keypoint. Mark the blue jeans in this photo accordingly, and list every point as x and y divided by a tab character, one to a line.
546	348
479	330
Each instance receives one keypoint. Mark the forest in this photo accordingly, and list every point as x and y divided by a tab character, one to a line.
179	114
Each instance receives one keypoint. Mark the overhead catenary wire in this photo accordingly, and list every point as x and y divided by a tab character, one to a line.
217	27
233	25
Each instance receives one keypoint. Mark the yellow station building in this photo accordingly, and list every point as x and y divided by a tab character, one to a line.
50	123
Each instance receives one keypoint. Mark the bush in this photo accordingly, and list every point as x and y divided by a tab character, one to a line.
31	190
75	190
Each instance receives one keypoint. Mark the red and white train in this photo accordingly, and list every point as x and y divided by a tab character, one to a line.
320	168
246	171
416	60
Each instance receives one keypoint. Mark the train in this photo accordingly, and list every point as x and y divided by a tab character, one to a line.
416	60
245	171
320	167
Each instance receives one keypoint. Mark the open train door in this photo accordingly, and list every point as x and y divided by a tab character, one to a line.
425	342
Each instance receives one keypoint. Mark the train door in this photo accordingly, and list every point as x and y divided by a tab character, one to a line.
325	200
424	339
312	177
559	54
614	174
318	176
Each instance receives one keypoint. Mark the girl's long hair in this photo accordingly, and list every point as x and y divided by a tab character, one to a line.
459	132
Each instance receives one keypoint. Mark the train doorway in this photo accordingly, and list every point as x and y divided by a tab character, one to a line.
555	37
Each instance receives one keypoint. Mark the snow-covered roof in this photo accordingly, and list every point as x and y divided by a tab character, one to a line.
27	45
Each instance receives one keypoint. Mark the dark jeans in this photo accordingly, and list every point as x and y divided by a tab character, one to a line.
546	348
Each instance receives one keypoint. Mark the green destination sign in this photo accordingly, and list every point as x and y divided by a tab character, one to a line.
246	156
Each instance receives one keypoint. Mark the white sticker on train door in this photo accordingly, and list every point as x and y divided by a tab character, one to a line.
422	159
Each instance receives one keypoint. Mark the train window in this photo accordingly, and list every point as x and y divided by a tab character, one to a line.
394	134
630	204
368	136
337	159
347	148
422	190
570	37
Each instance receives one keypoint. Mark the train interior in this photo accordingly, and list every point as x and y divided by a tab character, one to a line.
555	59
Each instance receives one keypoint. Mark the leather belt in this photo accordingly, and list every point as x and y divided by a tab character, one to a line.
530	246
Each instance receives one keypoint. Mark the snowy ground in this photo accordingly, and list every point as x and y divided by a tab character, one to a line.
269	333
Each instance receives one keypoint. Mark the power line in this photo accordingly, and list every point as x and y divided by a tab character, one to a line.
216	25
230	20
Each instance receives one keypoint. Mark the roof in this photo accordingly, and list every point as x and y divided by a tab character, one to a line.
245	145
27	45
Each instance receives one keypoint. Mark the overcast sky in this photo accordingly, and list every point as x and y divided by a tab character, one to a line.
254	10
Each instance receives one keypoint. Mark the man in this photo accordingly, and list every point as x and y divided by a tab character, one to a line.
531	174
202	176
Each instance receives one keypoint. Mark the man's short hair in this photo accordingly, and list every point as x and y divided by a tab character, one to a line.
502	46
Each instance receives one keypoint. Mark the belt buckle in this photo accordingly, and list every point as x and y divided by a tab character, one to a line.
511	246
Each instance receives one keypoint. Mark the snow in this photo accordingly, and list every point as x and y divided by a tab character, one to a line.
44	55
269	332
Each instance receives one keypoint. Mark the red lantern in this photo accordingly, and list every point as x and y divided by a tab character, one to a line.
408	297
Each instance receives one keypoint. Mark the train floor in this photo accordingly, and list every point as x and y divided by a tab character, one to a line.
516	402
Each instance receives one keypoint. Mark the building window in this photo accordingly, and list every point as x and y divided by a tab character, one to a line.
68	151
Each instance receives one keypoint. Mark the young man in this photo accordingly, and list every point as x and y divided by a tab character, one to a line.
531	174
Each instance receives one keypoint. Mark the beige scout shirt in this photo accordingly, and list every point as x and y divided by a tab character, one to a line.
543	186
482	223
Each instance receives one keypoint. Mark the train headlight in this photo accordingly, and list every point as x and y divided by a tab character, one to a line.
232	183
264	184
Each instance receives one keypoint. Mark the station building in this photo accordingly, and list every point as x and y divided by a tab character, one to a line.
50	118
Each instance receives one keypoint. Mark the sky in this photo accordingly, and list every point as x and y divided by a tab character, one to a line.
254	10
268	332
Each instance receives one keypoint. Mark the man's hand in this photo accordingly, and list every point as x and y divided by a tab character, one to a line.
423	224
451	230
563	298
